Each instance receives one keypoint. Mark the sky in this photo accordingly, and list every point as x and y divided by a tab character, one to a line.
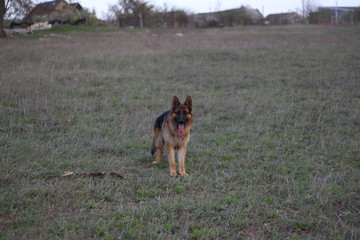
198	6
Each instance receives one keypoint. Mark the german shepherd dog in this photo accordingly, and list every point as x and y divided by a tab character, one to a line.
173	128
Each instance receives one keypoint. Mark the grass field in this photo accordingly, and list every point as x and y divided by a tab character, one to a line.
274	152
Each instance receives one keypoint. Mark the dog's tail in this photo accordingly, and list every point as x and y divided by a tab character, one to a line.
153	146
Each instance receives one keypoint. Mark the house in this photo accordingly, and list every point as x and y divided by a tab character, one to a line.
232	17
284	18
57	10
335	15
255	15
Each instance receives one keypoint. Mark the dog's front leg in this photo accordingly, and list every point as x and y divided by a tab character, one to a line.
171	155
181	159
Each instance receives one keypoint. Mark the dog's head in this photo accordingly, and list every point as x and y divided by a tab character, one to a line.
181	114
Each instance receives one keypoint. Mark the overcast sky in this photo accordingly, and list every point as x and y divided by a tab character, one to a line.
196	6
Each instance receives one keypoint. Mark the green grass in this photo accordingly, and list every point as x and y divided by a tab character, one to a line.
274	152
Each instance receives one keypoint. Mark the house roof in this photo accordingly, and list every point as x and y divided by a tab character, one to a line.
48	7
252	12
341	8
76	6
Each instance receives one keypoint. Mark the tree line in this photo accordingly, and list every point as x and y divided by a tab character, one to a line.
139	13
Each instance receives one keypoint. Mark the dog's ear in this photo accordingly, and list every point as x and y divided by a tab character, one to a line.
175	102
188	102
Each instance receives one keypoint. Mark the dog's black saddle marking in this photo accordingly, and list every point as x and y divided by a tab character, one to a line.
159	121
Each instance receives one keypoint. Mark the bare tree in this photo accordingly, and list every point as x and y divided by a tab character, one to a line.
142	10
12	9
127	6
2	15
309	6
131	9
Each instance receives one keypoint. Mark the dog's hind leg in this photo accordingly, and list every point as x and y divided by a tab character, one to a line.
158	156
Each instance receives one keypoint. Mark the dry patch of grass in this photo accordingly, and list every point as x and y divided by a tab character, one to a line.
274	151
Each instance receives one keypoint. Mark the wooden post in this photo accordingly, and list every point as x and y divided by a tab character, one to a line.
141	20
